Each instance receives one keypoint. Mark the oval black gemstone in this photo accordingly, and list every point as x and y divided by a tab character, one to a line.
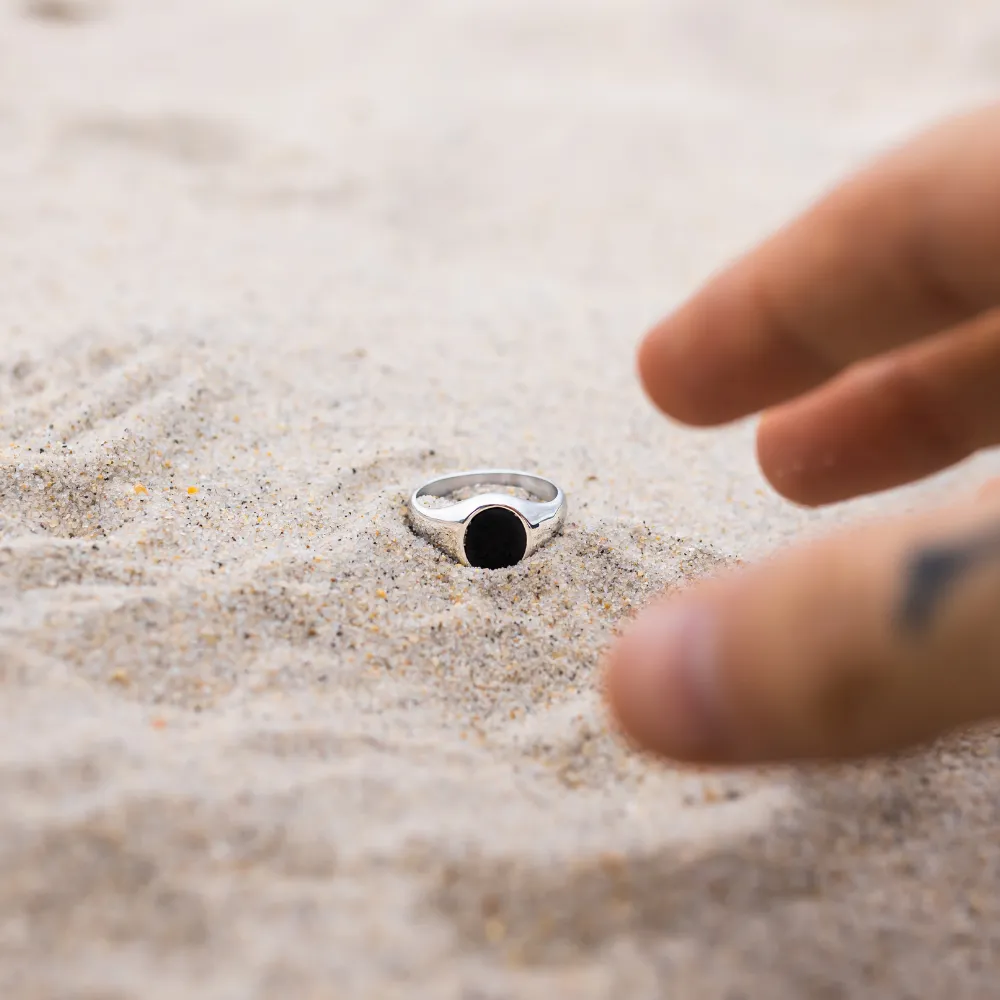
495	538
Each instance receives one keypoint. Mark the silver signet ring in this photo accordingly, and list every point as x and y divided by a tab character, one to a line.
490	530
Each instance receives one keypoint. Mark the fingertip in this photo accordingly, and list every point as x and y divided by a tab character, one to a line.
614	684
666	371
646	366
619	686
657	686
783	466
719	358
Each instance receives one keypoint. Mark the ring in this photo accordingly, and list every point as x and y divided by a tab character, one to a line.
489	530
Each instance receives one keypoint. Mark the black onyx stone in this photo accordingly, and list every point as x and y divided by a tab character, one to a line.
495	538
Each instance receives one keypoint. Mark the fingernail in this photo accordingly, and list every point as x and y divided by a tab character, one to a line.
665	683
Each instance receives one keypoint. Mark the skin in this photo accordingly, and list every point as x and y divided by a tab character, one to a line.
867	334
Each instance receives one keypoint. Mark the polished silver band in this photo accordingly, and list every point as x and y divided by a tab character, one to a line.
491	530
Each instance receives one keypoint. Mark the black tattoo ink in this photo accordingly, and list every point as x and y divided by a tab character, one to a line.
932	572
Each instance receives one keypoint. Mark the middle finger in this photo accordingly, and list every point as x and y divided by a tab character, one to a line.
890	421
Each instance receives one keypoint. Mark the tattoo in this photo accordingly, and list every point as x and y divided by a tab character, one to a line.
932	572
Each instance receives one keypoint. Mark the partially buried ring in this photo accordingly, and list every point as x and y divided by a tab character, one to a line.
489	530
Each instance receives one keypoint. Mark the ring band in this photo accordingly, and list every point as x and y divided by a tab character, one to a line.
489	530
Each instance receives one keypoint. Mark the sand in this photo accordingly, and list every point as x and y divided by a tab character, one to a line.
264	268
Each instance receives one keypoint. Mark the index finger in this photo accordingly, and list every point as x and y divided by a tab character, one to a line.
907	248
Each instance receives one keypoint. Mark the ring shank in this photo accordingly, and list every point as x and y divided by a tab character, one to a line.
535	485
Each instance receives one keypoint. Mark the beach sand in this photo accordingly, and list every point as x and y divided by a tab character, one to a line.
265	267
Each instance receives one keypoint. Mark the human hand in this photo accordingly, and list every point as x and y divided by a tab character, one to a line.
868	331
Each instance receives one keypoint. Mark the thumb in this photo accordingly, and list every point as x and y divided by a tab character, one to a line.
870	642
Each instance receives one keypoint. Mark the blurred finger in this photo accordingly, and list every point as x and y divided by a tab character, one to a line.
871	642
907	248
899	418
